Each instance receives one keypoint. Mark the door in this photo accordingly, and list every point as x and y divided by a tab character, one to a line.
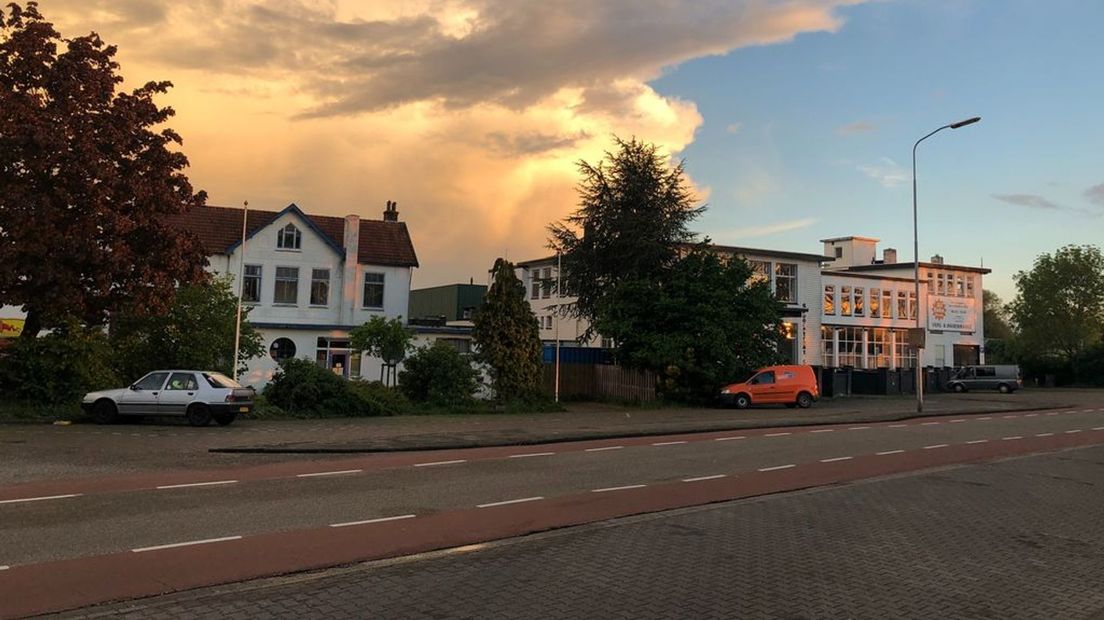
179	392
764	388
141	398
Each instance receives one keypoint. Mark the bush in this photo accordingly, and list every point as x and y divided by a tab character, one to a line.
389	400
59	367
303	389
438	374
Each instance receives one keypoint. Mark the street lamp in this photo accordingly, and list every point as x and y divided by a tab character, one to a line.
916	258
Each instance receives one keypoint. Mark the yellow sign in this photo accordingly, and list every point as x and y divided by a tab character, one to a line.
11	328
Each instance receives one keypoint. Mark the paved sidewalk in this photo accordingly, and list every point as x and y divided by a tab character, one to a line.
1020	538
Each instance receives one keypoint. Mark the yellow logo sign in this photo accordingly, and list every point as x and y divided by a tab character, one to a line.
939	310
11	328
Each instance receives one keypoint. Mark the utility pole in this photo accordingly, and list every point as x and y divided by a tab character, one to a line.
241	288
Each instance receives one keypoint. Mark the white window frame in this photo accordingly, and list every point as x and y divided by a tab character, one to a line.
276	289
314	280
364	290
296	238
247	277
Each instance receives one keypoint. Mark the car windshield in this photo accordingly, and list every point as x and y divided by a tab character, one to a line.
219	380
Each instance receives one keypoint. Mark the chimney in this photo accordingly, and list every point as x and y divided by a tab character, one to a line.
391	213
889	256
937	260
349	270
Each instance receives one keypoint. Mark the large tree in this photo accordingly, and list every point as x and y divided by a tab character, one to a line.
995	316
507	337
1059	309
88	174
634	209
387	339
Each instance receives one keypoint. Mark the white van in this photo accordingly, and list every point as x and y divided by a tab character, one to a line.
1005	378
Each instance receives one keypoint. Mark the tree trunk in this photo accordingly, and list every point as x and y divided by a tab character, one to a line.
32	325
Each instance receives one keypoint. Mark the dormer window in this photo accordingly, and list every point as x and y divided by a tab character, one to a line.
289	238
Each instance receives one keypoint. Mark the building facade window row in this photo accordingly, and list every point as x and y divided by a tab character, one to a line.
951	284
781	277
866	347
854	301
286	289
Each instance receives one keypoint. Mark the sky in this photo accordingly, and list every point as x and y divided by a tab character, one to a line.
795	118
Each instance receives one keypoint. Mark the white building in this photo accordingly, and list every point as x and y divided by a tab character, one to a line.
309	279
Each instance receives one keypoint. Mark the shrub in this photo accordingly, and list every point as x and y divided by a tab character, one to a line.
389	400
59	367
303	389
438	374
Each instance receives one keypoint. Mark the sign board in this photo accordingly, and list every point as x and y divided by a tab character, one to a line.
917	337
11	328
952	314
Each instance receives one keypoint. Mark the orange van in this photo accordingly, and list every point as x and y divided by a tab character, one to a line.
793	386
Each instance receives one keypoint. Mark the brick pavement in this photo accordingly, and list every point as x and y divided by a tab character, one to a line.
1020	538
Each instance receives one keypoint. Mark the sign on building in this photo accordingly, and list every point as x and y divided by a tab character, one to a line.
11	328
953	314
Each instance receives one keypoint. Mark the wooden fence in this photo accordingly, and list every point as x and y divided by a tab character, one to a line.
600	381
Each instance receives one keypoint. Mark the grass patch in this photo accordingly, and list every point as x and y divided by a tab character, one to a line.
15	411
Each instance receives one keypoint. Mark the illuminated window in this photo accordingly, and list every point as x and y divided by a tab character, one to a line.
912	306
760	271
860	301
902	305
887	304
785	282
845	300
829	299
875	303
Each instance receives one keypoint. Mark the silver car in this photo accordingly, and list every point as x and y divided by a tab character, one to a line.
198	395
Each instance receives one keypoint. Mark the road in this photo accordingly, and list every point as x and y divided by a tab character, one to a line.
76	541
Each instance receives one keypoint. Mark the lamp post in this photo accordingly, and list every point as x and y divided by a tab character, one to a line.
241	289
916	258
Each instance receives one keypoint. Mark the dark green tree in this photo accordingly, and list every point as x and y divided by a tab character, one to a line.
507	337
634	209
439	375
995	316
386	339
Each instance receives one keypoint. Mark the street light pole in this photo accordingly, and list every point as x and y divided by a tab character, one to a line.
559	301
241	288
916	258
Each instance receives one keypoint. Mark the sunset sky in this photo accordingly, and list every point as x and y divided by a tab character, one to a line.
796	118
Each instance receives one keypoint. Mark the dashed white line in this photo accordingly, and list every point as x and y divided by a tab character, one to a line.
668	443
898	425
434	463
978	441
368	521
529	454
1099	428
603	449
701	478
1076	430
1012	438
38	499
1058	412
4	567
888	452
776	434
986	418
330	473
732	438
1044	435
857	428
929	423
624	488
838	458
777	467
511	501
1086	411
196	484
1009	417
1030	415
186	544
933	447
957	421
823	430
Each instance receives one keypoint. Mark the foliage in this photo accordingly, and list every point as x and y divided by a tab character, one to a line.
1059	309
197	331
995	316
59	367
633	213
305	389
438	374
507	337
704	325
89	177
386	339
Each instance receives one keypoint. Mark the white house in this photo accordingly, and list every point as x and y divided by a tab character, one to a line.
309	279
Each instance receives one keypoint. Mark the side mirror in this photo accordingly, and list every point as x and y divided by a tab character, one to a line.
134	387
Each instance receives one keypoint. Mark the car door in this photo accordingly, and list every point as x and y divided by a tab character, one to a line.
763	388
141	398
179	392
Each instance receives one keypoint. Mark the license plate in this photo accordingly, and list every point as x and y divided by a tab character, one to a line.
243	409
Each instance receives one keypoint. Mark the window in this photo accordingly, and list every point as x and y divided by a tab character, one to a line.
763	378
845	300
940	285
875	303
282	349
219	380
826	349
152	381
970	286
785	282
760	271
289	238
940	355
548	322
251	284
912	305
860	301
534	278
373	290
960	286
287	285
320	287
839	252
986	371
829	299
182	381
902	305
887	304
546	282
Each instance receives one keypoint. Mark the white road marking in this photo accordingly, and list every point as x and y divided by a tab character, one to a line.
330	473
1057	412
732	438
4	567
454	462
379	520
1008	417
529	454
668	443
857	428
186	544
929	423
776	434
986	418
624	488
196	484
838	458
606	448
1012	438
700	478
1076	430
38	499
957	421
1030	415
898	425
938	445
1045	435
777	467
1099	428
979	441
888	452
511	501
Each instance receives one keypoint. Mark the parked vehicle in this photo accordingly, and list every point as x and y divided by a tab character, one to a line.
793	386
1005	378
198	395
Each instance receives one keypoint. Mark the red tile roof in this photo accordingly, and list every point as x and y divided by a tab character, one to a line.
219	228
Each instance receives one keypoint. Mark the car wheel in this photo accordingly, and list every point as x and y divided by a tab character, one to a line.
959	388
105	412
199	415
224	419
804	400
1003	388
743	401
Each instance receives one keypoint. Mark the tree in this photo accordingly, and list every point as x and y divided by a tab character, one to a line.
507	337
995	317
86	182
705	325
197	331
1059	308
438	374
632	220
388	340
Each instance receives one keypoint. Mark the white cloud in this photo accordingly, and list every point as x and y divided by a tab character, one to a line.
885	171
765	230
